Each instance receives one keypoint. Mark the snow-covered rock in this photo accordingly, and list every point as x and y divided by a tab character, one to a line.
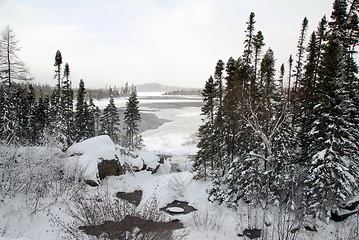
90	153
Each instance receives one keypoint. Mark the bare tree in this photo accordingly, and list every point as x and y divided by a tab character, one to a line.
11	67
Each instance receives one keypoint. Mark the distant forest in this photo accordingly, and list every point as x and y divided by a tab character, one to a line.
94	93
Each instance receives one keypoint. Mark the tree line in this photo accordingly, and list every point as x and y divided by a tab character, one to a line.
290	141
52	119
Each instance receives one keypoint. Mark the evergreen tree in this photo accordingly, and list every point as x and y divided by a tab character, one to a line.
30	131
247	55
281	78
67	105
306	94
333	141
218	120
300	54
131	120
41	120
290	62
80	113
110	121
322	35
91	112
57	64
9	118
258	44
205	156
56	129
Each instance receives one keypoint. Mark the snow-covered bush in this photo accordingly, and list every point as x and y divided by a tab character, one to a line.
207	220
177	184
35	173
94	212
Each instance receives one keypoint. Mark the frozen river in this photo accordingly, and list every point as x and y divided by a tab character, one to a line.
169	123
176	136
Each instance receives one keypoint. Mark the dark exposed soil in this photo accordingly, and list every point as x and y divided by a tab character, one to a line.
120	230
132	197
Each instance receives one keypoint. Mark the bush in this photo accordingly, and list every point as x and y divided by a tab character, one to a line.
36	173
207	220
101	215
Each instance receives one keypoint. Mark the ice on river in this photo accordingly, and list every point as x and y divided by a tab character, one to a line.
174	137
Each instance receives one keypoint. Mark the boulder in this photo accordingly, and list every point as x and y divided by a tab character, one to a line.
110	168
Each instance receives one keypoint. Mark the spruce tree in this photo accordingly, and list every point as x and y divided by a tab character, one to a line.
110	121
9	118
300	53
258	44
30	131
218	120
247	54
91	113
41	119
306	94
67	105
131	120
56	132
205	155
333	142
57	64
80	113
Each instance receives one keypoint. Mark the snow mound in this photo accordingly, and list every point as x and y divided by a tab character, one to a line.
100	146
89	153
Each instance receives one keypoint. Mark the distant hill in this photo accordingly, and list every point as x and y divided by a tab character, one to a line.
156	87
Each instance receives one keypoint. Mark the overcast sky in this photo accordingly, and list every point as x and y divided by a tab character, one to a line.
173	42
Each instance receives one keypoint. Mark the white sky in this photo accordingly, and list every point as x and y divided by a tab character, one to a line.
173	42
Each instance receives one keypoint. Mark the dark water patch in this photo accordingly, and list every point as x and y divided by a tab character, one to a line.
251	233
178	205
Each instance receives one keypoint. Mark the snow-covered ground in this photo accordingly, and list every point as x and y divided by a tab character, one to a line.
174	137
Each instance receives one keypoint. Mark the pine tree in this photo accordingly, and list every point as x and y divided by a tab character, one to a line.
110	121
11	67
131	120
